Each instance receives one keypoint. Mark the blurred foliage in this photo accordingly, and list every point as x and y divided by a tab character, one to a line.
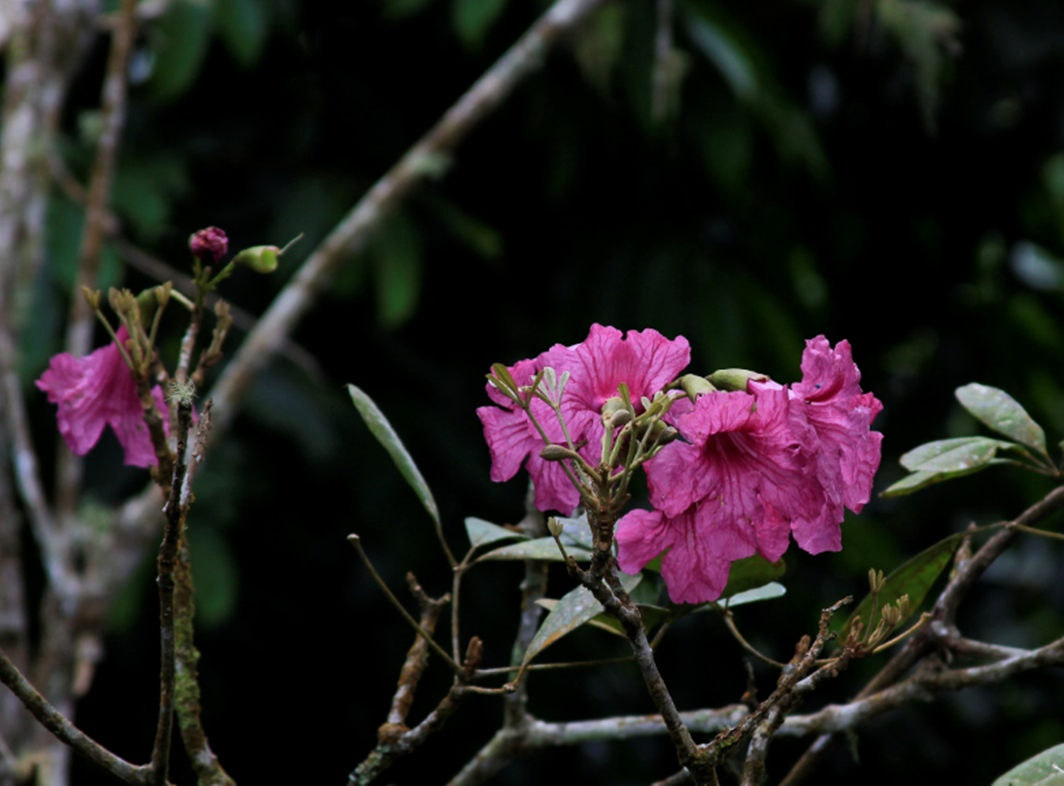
887	171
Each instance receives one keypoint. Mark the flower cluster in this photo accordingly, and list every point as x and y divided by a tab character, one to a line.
95	391
758	467
643	360
754	467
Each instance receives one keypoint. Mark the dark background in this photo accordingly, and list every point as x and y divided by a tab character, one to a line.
886	172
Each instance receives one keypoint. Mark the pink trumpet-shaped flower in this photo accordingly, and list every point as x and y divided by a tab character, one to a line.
757	468
96	391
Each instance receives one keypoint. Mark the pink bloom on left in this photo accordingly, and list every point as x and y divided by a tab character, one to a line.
96	391
645	361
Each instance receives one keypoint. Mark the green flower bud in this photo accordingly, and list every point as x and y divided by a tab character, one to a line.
263	259
735	378
694	386
556	453
619	419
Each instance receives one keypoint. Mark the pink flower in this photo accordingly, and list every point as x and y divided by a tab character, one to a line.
512	438
644	360
841	415
96	391
757	468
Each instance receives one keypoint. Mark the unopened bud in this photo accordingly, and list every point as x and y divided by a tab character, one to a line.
735	378
210	244
263	259
555	453
621	417
694	386
554	527
662	433
92	297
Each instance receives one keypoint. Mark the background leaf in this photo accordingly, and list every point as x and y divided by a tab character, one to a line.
481	532
575	608
1044	769
913	578
540	548
999	411
385	434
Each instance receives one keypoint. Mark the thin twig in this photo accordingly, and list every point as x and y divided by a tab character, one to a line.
65	731
417	657
356	541
943	616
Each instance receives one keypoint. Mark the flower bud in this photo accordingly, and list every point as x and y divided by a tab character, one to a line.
210	244
263	259
92	297
620	418
735	378
612	407
694	386
555	453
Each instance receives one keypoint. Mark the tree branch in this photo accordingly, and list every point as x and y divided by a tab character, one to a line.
64	730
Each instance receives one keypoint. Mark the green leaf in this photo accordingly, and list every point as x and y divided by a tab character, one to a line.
575	532
242	26
181	47
395	253
750	573
574	609
921	480
214	572
1044	769
718	39
765	592
999	411
474	18
947	459
913	578
385	434
652	615
951	455
481	532
540	548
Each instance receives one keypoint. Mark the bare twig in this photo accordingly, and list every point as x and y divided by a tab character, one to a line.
417	657
943	615
65	731
395	740
355	541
